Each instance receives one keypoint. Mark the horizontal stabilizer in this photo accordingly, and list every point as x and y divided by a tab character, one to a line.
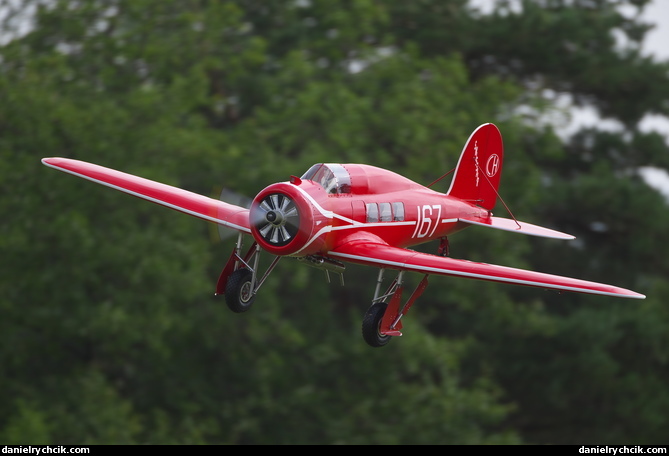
518	227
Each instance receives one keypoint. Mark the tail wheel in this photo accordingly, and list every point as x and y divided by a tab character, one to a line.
239	295
371	325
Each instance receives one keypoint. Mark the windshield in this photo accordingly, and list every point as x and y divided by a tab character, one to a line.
333	178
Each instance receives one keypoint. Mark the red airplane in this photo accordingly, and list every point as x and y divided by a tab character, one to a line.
362	214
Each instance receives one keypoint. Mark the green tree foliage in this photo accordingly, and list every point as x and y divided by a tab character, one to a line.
110	333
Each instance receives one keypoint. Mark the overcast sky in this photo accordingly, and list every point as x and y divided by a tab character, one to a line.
657	40
656	43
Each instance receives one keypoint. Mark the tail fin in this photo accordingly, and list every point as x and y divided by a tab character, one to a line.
479	169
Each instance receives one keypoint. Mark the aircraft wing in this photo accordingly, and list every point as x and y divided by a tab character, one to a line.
175	198
374	253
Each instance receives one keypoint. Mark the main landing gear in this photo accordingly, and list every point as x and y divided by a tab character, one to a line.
384	320
239	281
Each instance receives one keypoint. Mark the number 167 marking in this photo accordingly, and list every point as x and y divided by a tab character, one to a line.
426	225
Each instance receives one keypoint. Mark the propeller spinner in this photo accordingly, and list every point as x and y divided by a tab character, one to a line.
277	219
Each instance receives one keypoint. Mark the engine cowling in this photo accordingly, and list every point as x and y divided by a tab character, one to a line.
284	221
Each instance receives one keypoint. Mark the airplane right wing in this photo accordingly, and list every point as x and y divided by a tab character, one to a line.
166	195
373	253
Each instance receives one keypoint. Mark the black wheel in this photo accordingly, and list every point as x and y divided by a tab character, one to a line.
239	291
371	324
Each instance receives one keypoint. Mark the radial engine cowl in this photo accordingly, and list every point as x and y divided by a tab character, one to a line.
283	221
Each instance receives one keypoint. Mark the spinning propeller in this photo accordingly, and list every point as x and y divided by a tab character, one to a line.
236	199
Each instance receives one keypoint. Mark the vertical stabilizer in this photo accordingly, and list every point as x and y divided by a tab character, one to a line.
479	169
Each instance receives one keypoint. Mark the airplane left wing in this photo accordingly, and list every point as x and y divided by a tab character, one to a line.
175	198
374	253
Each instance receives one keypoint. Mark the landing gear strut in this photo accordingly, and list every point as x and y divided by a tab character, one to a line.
443	247
239	281
383	320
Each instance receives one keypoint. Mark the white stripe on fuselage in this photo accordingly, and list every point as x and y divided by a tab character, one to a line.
352	223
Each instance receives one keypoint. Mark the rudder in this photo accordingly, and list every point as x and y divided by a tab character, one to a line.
479	168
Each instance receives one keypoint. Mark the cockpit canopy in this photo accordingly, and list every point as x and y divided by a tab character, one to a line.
332	177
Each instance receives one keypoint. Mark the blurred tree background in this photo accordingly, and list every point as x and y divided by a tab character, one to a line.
110	331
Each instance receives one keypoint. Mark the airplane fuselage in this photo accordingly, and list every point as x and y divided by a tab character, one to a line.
376	202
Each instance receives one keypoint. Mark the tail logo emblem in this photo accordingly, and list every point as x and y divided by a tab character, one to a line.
476	161
492	165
